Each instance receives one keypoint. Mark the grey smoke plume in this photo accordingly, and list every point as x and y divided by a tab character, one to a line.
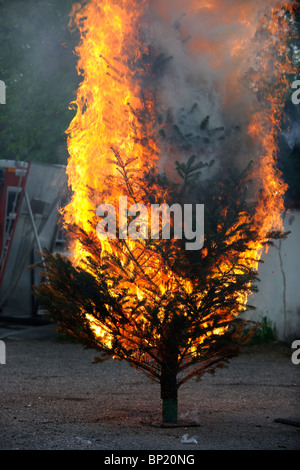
204	98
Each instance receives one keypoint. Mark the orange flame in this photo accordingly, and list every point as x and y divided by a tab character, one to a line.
114	93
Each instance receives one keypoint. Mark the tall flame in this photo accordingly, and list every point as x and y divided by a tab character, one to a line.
106	100
242	48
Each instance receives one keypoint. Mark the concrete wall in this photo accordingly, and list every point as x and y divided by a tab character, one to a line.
278	298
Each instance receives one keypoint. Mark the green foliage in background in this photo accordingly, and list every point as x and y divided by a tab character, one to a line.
265	333
38	66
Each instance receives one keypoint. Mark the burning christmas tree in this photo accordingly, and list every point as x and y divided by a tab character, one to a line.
169	117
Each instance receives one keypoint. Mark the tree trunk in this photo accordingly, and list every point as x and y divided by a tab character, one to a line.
168	386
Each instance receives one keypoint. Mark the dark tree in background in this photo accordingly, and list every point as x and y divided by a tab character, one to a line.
174	334
38	67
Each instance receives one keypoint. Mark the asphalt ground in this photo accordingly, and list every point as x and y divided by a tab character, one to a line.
54	397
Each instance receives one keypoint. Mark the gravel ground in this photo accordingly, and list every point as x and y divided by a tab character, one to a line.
53	397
